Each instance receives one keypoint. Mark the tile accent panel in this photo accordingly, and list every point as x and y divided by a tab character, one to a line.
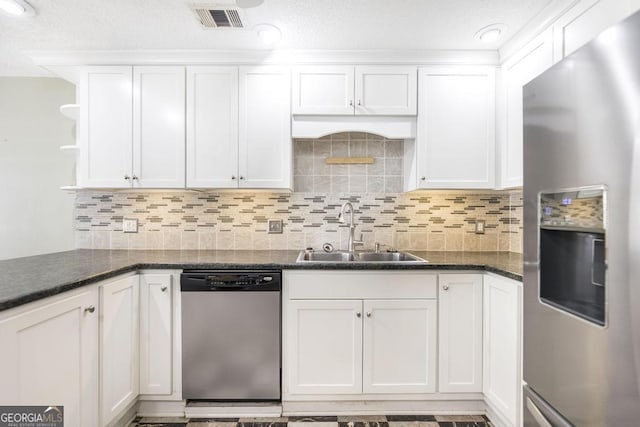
424	220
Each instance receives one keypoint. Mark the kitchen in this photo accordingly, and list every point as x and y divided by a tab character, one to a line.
366	145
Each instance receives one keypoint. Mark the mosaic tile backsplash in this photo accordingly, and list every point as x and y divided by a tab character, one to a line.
433	220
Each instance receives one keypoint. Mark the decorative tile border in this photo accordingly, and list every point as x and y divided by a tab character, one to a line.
424	220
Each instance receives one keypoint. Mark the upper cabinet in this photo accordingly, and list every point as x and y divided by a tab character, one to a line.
132	127
264	135
455	146
361	90
527	64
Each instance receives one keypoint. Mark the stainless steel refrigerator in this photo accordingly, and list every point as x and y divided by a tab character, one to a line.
582	236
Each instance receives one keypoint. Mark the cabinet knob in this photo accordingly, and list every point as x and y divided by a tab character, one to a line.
424	178
134	177
445	287
358	314
233	177
90	309
163	289
359	103
127	177
351	103
241	177
368	314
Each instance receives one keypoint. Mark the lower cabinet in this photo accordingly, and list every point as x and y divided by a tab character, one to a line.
502	348
119	346
49	355
345	333
460	333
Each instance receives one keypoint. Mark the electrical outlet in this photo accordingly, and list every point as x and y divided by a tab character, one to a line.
275	226
480	226
130	225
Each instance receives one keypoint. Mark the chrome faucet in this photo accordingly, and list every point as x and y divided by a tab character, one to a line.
352	226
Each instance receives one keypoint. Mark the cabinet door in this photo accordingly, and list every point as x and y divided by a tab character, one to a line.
212	127
399	350
502	343
584	21
158	127
323	90
49	356
325	346
156	334
528	63
460	332
456	127
265	127
386	90
119	360
105	127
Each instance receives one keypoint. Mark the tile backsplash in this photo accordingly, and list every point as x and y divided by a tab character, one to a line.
424	220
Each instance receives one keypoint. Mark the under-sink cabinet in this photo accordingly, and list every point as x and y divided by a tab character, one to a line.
359	332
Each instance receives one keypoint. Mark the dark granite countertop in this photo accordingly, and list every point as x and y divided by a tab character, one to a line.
27	279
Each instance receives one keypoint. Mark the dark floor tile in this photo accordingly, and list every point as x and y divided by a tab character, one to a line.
214	420
411	418
262	424
470	424
312	419
445	424
162	425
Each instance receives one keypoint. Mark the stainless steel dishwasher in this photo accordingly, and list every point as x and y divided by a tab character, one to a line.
231	335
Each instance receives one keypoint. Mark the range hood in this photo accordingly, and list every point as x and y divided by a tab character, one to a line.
391	127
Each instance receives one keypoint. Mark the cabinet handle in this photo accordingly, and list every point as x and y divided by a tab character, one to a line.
233	177
90	309
358	314
445	287
424	178
135	178
163	289
241	177
359	103
127	177
368	314
351	103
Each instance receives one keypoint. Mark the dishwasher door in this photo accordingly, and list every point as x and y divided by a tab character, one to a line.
231	345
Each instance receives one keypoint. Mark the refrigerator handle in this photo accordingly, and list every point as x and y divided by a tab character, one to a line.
537	415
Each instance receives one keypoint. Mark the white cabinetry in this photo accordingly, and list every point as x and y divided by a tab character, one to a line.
460	332
264	136
119	357
502	348
361	90
49	355
132	127
455	145
212	127
106	127
159	336
524	66
343	331
158	127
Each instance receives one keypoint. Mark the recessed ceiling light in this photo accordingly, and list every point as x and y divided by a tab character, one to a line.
17	7
247	4
490	33
268	34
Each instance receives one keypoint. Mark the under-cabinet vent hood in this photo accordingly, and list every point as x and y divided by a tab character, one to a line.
219	16
392	127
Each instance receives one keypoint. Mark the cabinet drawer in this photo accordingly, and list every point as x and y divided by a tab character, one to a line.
359	284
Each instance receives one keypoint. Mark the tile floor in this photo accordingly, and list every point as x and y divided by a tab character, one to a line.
323	421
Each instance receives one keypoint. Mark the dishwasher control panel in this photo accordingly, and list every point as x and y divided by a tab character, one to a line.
207	280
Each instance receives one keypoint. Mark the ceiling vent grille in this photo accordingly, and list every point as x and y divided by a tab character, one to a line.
219	17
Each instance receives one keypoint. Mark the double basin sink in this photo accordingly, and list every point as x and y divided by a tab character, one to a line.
367	257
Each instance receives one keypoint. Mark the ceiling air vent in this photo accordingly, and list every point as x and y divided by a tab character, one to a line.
219	17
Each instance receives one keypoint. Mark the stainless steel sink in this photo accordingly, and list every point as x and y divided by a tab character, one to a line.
366	257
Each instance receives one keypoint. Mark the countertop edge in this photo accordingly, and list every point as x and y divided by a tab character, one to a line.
58	289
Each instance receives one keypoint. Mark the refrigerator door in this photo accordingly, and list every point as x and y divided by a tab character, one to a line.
582	128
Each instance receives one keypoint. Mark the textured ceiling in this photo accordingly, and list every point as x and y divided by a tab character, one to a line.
305	24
